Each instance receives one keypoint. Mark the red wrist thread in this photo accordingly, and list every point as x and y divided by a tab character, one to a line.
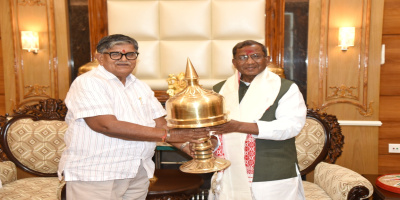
165	136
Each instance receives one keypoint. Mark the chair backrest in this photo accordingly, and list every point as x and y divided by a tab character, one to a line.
33	137
320	139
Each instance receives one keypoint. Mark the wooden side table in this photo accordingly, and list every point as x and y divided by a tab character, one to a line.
174	184
380	193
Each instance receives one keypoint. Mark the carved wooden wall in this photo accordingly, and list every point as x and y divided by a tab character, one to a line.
390	89
30	77
346	83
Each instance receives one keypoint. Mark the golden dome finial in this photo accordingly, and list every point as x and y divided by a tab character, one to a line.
190	71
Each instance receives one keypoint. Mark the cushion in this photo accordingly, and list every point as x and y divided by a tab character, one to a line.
8	172
37	144
43	188
313	192
337	181
309	142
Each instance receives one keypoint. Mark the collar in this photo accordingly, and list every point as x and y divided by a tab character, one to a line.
110	76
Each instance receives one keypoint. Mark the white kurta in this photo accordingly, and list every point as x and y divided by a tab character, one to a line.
290	119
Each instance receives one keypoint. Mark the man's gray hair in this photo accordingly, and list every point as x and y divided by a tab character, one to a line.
249	43
109	41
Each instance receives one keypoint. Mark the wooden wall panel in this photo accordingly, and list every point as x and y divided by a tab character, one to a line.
31	77
390	109
390	71
360	149
389	164
389	132
390	89
346	83
391	17
7	49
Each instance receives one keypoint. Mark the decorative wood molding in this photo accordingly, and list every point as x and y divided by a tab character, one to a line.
31	3
53	55
342	92
332	148
48	109
336	138
36	90
3	121
353	95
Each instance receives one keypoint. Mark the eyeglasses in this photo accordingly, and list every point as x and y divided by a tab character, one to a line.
256	57
118	55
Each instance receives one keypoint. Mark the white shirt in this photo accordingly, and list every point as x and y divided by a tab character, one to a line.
93	156
290	117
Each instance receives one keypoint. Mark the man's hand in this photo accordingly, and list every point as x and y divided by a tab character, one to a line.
229	127
235	126
187	135
189	149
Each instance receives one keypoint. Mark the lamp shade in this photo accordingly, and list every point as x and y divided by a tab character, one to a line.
30	41
346	37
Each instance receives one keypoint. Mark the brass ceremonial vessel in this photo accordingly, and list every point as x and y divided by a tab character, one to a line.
195	107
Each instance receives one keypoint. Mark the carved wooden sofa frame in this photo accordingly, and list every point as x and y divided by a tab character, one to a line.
32	139
319	144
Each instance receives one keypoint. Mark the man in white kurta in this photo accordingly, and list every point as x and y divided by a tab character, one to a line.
267	112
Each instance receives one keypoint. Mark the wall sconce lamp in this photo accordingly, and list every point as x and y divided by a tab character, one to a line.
346	37
30	41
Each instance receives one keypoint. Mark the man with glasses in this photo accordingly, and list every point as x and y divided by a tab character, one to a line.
267	113
114	122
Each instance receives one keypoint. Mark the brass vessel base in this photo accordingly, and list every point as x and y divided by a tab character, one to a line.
197	166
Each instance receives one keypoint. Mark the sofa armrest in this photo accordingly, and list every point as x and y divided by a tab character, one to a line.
342	183
61	190
8	172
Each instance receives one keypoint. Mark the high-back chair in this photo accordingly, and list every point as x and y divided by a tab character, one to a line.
32	139
318	145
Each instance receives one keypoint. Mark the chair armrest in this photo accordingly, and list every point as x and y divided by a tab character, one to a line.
61	190
8	172
342	183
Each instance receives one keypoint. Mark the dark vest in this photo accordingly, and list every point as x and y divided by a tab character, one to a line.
275	160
